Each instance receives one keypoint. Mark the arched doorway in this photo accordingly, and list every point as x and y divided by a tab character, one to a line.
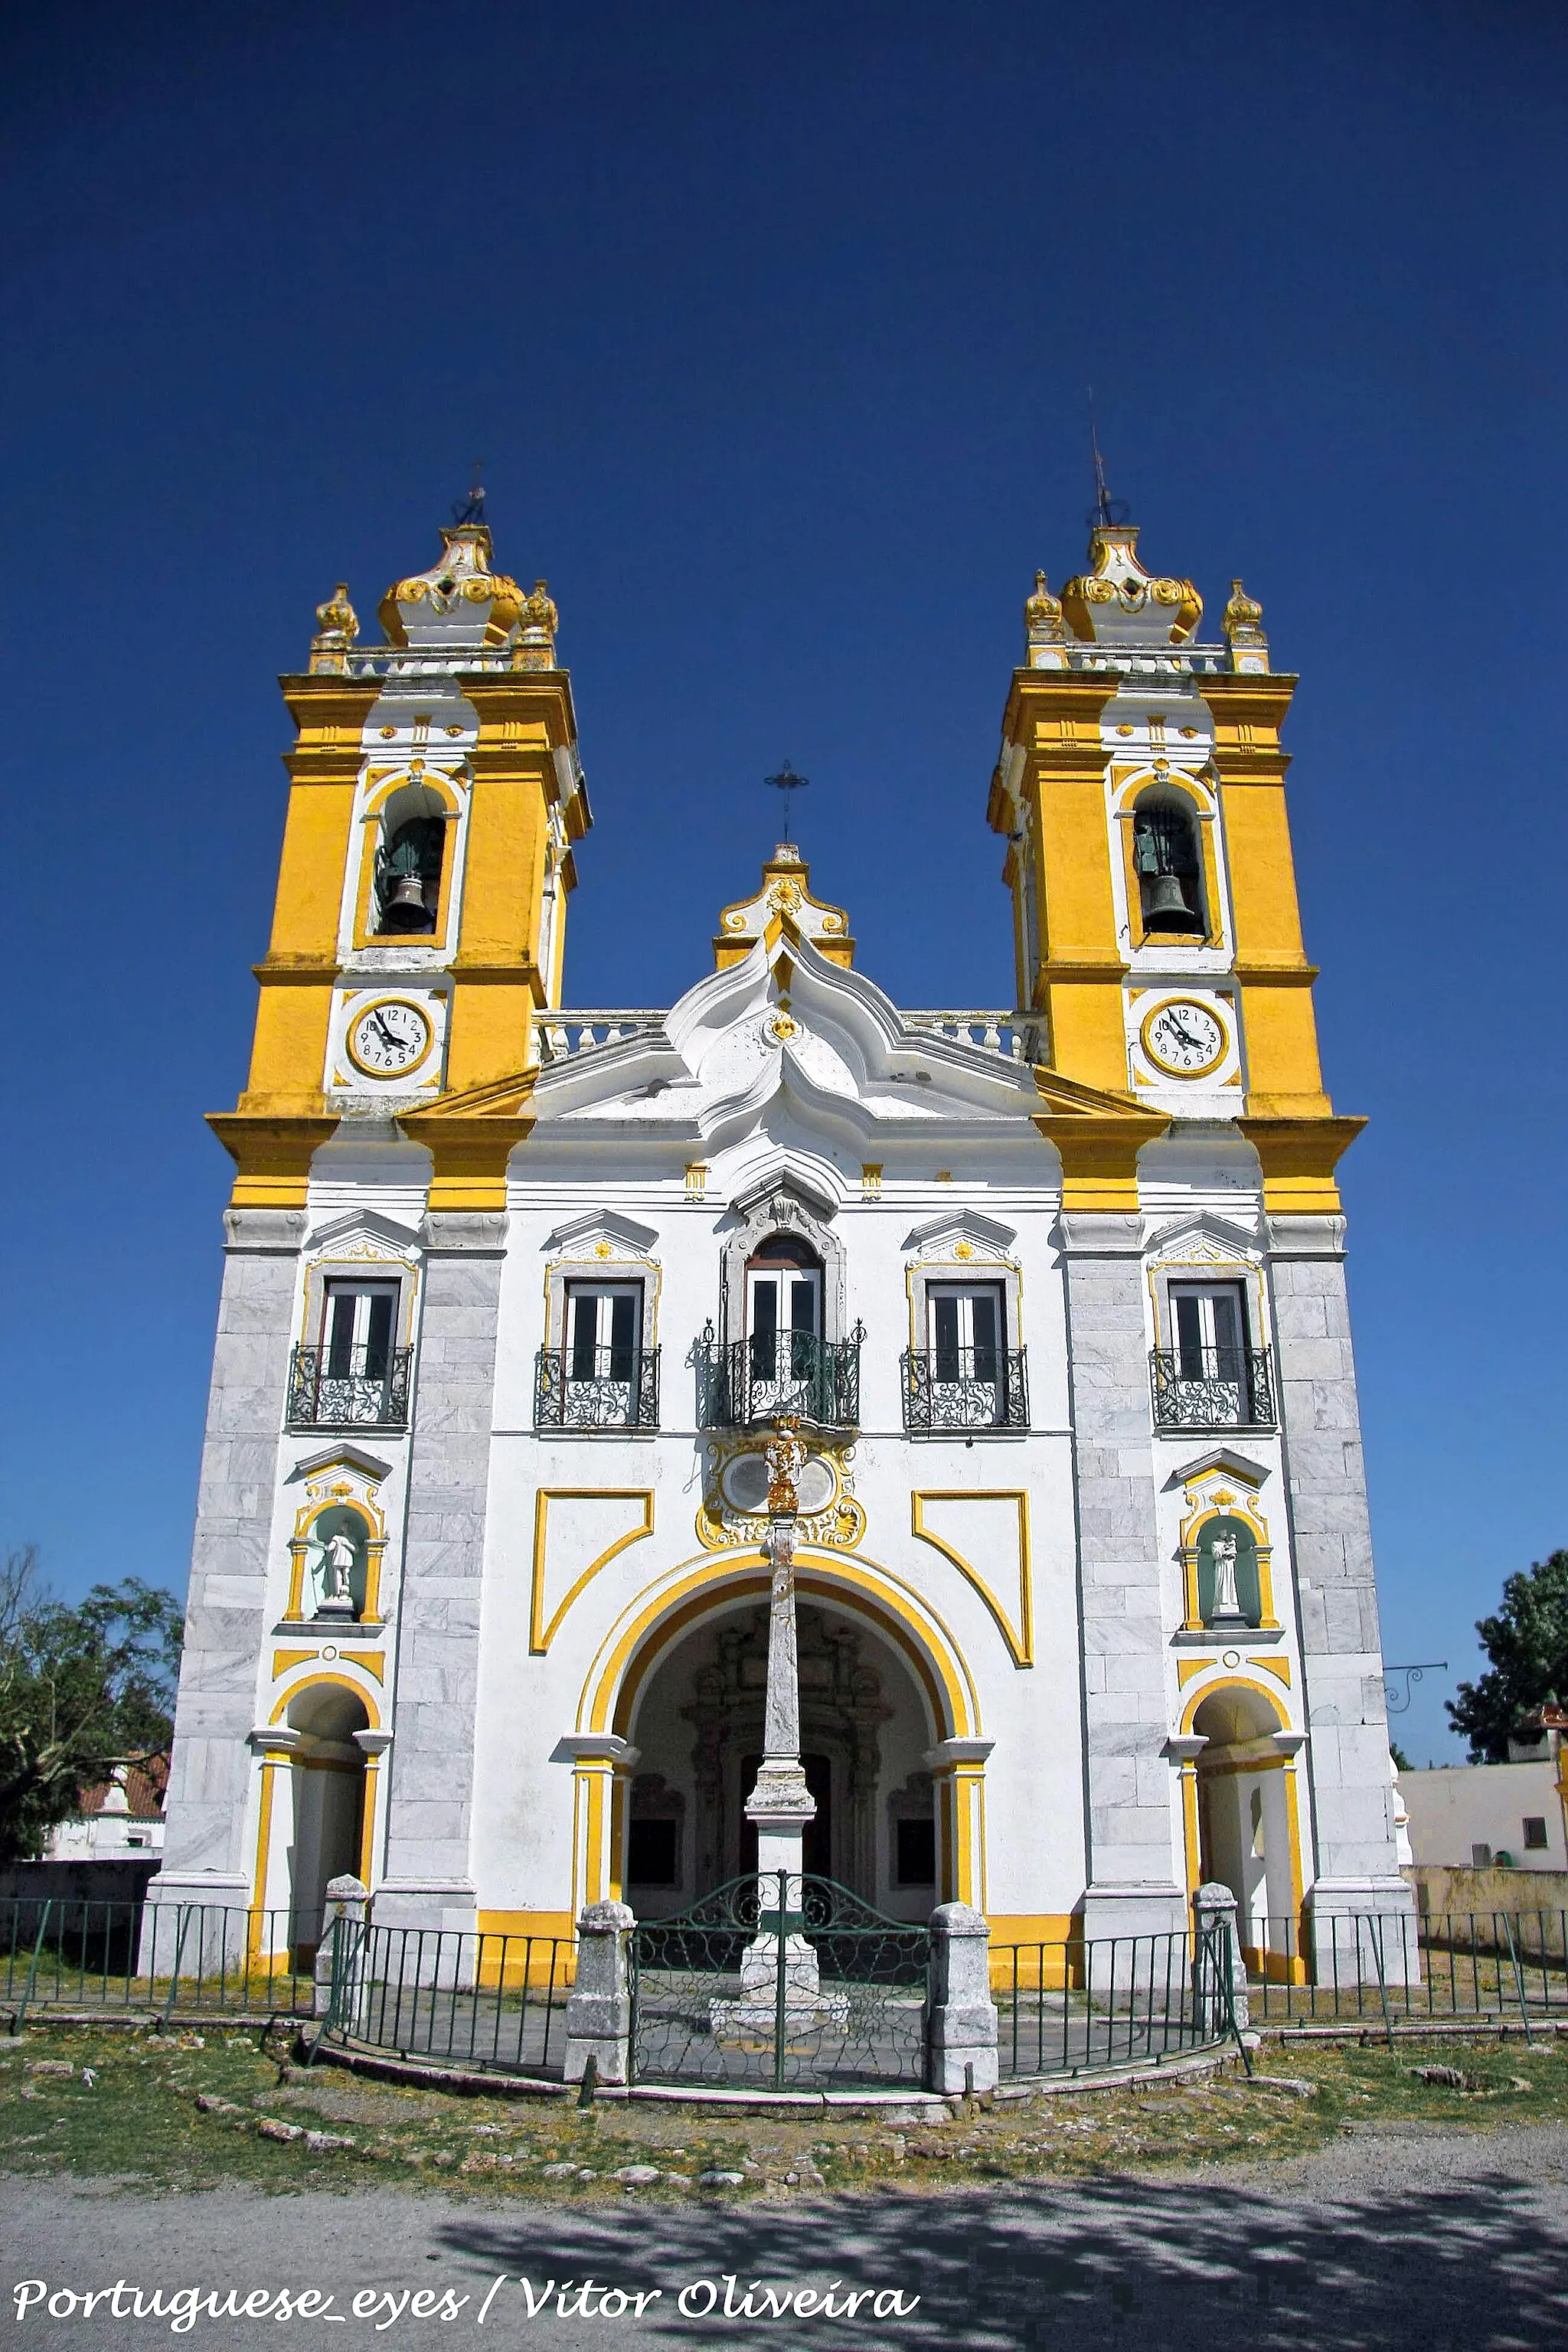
1247	1828
327	1781
865	1733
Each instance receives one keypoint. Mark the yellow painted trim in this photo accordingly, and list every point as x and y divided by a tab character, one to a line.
1019	1638
269	1765
696	1586
1187	1667
345	1682
368	1782
541	1635
285	1661
527	1923
1280	1666
1235	1681
382	784
1192	1836
1297	1157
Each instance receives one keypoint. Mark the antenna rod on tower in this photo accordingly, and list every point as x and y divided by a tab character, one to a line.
1107	512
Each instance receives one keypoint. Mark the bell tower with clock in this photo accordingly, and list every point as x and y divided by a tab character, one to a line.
436	795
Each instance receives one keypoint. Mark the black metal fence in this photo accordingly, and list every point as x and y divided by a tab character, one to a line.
779	1981
1403	1968
597	1388
84	1956
1074	2007
1212	1388
459	1997
348	1387
964	1388
779	1374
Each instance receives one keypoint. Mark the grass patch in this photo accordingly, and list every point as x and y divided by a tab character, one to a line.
128	2110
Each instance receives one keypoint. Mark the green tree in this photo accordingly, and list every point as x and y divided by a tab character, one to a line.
1527	1642
80	1689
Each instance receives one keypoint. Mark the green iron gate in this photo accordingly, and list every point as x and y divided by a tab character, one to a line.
746	1988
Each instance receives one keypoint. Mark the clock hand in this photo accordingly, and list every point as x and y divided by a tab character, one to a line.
1186	1035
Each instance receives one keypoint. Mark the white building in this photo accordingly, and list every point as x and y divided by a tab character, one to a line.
1495	1816
515	1295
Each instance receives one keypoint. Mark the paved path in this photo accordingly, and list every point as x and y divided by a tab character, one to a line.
1401	2239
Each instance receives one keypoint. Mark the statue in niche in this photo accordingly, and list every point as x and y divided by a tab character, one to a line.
339	1559
1223	1554
1228	1573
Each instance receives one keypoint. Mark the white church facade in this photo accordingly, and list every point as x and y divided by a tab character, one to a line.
515	1297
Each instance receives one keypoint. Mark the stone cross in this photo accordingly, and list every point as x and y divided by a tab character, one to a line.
781	1804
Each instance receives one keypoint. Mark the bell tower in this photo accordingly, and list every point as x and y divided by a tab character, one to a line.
436	795
1141	790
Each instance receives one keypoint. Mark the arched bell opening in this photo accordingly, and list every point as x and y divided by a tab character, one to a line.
408	862
1246	1826
1167	858
866	1729
327	1785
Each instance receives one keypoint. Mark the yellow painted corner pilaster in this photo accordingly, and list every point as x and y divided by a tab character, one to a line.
272	1156
1297	1157
469	1156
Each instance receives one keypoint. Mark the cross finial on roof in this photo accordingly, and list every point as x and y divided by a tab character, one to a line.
787	782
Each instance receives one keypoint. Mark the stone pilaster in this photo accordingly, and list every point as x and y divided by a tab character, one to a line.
205	1856
1129	1786
429	1881
1341	1652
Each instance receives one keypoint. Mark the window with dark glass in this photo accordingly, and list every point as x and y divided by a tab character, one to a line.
914	1853
359	1323
653	1853
1210	1326
602	1330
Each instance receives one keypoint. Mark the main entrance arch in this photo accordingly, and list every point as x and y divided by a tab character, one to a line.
890	1719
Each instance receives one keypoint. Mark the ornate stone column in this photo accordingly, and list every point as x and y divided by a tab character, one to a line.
781	1804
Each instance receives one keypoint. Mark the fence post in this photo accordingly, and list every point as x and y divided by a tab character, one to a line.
961	2016
344	1901
1213	1919
599	2006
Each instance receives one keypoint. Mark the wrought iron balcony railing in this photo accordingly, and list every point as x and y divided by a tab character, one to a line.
777	1374
1212	1388
348	1387
964	1389
597	1388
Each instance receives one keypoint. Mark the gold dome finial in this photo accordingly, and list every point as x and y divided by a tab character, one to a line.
1244	630
1243	612
337	627
1043	623
537	623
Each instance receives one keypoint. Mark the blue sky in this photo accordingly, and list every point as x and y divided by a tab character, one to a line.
772	325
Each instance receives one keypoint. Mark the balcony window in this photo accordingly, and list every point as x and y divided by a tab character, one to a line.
602	1378
966	1378
354	1377
1212	1378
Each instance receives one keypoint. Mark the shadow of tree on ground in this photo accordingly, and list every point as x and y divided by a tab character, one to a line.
1472	2260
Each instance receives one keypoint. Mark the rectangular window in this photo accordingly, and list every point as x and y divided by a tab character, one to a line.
914	1853
1534	1827
359	1320
603	1330
653	1853
965	1329
1210	1329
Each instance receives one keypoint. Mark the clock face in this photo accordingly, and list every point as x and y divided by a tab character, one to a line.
1184	1038
390	1038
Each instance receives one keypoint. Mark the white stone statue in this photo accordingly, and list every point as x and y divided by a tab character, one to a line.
1223	1554
339	1559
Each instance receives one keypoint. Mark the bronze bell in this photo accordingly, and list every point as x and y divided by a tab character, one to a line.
1166	907
405	910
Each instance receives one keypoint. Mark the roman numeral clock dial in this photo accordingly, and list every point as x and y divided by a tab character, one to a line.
389	1039
1186	1038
